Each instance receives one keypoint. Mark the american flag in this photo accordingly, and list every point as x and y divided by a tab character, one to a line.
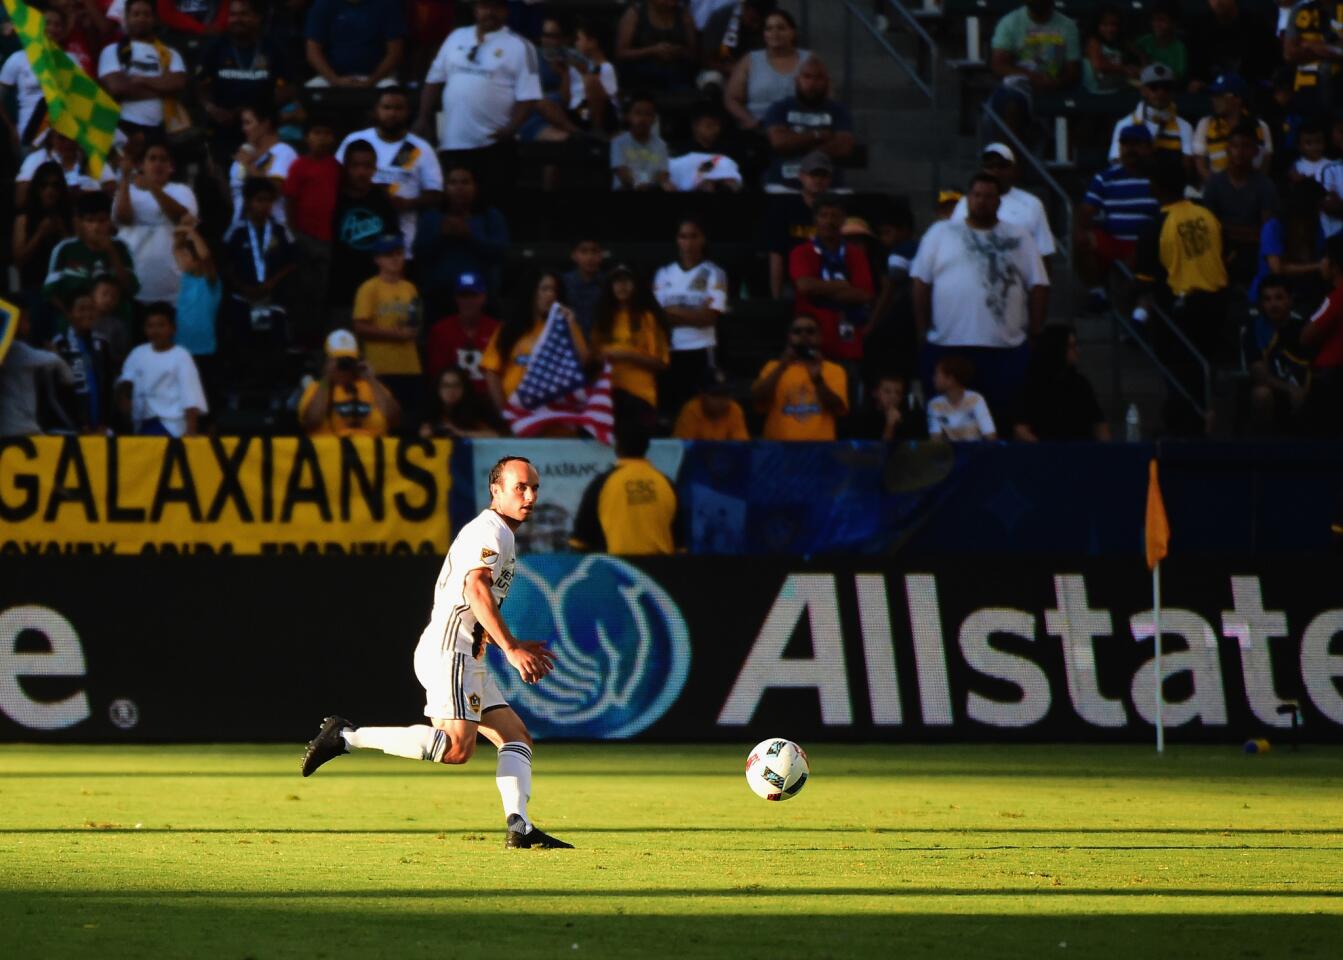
554	390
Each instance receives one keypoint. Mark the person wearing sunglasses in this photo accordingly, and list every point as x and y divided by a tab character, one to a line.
1170	133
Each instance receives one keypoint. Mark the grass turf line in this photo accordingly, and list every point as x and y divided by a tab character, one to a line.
889	851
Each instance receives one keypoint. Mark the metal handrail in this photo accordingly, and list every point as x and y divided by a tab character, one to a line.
1065	236
1154	310
929	87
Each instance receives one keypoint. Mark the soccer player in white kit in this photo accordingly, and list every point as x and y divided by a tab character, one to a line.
461	698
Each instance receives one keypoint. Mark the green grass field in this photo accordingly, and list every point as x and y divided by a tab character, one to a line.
889	852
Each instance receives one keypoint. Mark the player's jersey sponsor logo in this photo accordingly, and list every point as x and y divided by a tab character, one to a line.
621	647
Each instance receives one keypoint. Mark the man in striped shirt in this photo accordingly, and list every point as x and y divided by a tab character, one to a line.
1117	207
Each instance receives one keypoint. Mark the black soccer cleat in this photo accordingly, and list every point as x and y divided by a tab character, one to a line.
537	839
327	745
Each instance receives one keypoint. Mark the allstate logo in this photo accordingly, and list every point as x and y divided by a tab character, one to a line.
622	653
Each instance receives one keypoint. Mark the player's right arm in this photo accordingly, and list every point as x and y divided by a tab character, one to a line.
531	659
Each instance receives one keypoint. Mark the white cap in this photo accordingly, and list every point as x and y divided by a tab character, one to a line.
341	343
1002	150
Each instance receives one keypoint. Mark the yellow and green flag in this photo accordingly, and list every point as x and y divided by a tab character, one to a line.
76	106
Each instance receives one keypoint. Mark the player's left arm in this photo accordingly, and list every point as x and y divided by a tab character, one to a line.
531	659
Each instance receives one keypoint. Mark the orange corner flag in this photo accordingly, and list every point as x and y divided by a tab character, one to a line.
1157	528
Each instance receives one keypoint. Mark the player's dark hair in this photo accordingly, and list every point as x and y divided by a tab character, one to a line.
1168	175
642	304
959	368
983	177
264	109
161	309
360	146
257	186
92	204
497	471
1274	281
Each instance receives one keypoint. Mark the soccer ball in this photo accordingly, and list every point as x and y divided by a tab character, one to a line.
777	769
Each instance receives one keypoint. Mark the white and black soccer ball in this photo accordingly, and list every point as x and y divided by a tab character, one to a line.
777	769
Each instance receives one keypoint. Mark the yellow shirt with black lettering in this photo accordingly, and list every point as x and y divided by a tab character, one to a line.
795	412
693	424
1185	249
389	306
350	413
650	340
629	510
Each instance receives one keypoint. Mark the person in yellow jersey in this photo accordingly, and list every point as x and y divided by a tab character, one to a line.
630	509
802	394
712	414
631	333
1181	268
387	322
349	401
1213	133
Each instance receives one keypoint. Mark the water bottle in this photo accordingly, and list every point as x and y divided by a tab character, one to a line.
1132	424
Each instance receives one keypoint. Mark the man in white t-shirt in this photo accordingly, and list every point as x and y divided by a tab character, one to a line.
17	74
1017	206
979	288
462	699
59	149
407	165
693	293
142	74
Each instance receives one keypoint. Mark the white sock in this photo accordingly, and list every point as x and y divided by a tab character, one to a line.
413	743
514	778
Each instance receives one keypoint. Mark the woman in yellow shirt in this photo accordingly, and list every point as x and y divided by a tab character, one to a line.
630	332
505	359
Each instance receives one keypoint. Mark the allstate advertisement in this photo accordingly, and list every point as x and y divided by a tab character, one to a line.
684	649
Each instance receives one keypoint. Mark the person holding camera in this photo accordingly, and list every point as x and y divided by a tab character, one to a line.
801	394
349	401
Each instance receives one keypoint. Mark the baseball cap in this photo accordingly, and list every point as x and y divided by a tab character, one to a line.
388	243
1228	83
814	161
341	343
856	227
1135	133
1000	150
470	283
948	196
1156	73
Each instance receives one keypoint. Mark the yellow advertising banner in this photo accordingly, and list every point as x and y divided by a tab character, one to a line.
239	495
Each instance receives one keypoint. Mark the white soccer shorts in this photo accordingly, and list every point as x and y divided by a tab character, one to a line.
456	685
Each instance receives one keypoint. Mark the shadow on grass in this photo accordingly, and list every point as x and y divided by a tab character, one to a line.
463	923
855	829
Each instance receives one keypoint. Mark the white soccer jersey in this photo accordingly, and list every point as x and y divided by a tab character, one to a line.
274	164
484	543
703	285
482	80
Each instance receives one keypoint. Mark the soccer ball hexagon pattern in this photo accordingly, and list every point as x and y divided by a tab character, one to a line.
776	769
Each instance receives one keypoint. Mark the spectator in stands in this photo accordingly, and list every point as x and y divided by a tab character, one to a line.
833	280
355	43
1179	261
455	409
198	300
957	413
407	165
891	345
262	154
885	415
240	68
631	509
631	334
1291	246
655	46
387	323
21	370
160	390
89	357
1059	401
1213	133
1243	199
549	121
74	167
1035	50
45	218
1171	133
145	76
349	400
801	394
1231	38
979	287
1310	142
1017	206
506	357
459	342
1324	336
806	122
258	262
764	77
583	284
730	34
639	159
791	218
712	414
1163	44
594	89
463	235
17	78
191	18
1279	364
363	214
1104	70
1310	42
148	205
692	291
485	80
1117	207
705	164
110	323
311	190
91	252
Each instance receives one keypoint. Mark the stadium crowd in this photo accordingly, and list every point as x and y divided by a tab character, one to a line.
256	256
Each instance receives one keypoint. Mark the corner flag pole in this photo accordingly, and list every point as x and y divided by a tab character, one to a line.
1156	638
1156	537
